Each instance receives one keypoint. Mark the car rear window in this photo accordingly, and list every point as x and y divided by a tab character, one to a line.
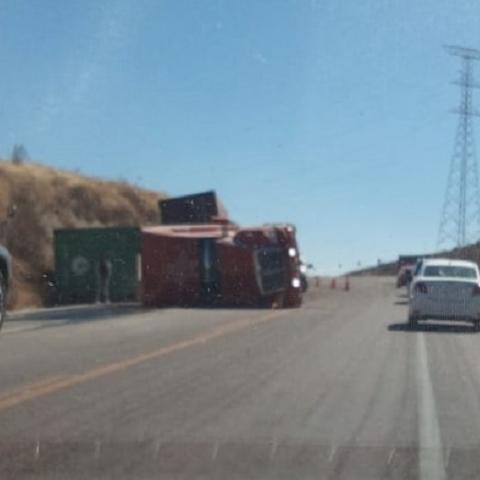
449	271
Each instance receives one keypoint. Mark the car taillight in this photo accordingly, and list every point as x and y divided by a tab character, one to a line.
421	287
476	290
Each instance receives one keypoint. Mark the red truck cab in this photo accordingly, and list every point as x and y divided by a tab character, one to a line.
212	261
219	265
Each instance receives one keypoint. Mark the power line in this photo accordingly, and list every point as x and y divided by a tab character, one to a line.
460	221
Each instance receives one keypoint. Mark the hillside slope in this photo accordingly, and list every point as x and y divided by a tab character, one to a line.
35	200
469	252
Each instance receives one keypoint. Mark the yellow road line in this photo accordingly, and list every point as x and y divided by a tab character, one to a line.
30	387
55	384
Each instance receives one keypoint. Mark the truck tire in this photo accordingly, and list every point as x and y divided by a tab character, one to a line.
278	301
304	283
3	300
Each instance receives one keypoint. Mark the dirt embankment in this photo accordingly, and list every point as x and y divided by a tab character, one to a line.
470	252
35	200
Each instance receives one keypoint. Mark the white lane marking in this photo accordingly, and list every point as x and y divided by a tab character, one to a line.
390	456
215	451
273	448
447	457
156	448
332	454
36	453
10	330
430	458
98	446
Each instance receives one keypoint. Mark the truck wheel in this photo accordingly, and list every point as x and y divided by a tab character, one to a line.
3	300
278	301
304	283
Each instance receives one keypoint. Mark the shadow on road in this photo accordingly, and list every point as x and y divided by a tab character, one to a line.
82	313
401	302
432	328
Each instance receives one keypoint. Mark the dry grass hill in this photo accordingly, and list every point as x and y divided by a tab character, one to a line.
35	200
470	252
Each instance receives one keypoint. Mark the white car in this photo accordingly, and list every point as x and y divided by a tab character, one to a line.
445	290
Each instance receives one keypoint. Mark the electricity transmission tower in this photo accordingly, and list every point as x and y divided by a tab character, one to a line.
460	222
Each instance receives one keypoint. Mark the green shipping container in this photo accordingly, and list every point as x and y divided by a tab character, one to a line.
79	254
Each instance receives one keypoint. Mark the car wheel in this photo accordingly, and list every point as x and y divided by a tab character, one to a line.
3	300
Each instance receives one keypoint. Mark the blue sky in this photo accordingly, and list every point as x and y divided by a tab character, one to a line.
329	114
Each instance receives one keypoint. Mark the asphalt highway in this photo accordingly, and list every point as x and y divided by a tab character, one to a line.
341	388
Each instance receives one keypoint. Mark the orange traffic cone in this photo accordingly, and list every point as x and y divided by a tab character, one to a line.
347	284
333	284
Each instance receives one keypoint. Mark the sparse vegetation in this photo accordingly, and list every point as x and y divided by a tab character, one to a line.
35	200
19	154
470	252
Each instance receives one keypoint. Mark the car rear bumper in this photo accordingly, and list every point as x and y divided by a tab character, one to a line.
447	318
436	310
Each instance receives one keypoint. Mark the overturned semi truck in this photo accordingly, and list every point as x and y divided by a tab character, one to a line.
199	257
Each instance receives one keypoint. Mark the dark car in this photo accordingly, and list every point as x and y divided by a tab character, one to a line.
5	281
405	275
